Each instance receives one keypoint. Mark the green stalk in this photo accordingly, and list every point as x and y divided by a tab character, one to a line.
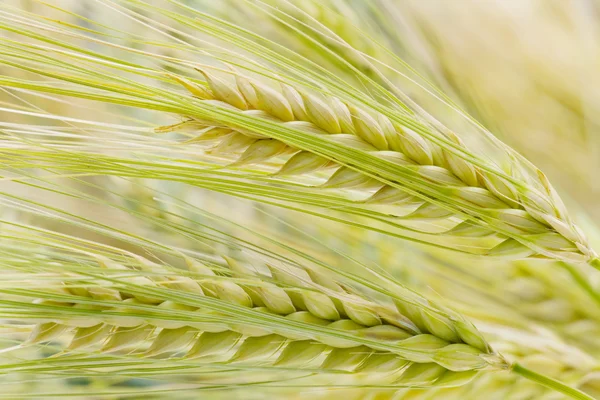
550	383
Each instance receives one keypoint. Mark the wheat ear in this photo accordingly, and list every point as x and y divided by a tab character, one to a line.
496	205
319	323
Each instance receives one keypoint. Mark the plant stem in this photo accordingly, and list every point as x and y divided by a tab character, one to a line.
550	383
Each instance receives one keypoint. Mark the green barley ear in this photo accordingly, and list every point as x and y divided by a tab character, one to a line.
256	348
501	205
124	337
225	91
470	335
209	344
169	340
300	353
91	336
45	332
197	90
422	374
459	357
347	359
455	379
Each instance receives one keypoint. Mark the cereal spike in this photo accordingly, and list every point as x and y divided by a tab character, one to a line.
295	101
501	188
273	102
459	357
209	344
361	314
303	162
260	151
348	178
421	374
321	114
45	332
340	329
225	91
320	305
511	249
346	359
392	195
86	337
232	143
247	90
453	182
300	353
197	90
368	129
414	146
393	139
123	337
169	340
343	113
256	348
